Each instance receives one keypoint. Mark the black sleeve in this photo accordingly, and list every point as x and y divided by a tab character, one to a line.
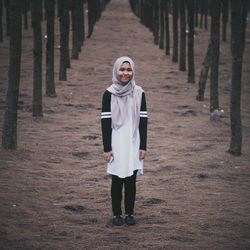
143	126
106	121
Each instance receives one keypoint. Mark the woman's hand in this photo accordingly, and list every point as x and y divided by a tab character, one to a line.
142	154
107	156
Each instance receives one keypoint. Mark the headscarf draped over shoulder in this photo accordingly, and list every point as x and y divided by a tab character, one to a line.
121	93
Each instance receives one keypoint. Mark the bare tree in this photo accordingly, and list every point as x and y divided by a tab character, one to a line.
1	22
36	12
25	13
238	24
95	8
7	14
182	56
204	74
81	22
167	36
161	24
215	53
77	18
203	13
91	17
50	44
9	136
224	19
196	12
156	22
75	30
175	30
63	6
206	13
191	71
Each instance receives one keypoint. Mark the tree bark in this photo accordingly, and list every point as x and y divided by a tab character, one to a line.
246	5
81	30
7	14
201	14
150	9
9	136
36	7
206	13
64	39
237	49
161	24
196	12
25	13
75	30
215	53
167	37
1	22
50	44
182	56
191	71
204	74
91	17
224	19
175	31
156	22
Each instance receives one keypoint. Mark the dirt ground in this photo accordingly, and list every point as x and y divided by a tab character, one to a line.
54	190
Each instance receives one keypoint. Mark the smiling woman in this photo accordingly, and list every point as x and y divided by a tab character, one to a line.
125	73
124	131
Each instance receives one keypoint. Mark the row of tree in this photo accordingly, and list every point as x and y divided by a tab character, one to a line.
186	16
68	12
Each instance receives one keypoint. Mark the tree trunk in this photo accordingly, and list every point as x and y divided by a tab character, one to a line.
182	57
80	21
196	12
25	13
67	30
1	22
9	137
191	71
224	19
75	35
36	7
149	15
201	15
204	74
175	31
215	53
156	23
167	37
237	49
206	13
161	24
50	78
91	17
142	14
7	14
64	39
246	5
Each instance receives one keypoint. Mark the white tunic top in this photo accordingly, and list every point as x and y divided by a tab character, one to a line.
125	149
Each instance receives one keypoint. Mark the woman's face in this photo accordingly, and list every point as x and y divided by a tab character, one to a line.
125	73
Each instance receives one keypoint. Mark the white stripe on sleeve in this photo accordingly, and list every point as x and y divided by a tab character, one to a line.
143	114
105	115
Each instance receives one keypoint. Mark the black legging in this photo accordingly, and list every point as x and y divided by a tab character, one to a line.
130	192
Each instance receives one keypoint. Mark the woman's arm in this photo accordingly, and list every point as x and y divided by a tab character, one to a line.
106	121
143	125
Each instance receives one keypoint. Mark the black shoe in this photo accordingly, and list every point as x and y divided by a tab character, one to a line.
118	220
129	220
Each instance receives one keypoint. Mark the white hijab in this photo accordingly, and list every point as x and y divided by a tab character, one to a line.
120	95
